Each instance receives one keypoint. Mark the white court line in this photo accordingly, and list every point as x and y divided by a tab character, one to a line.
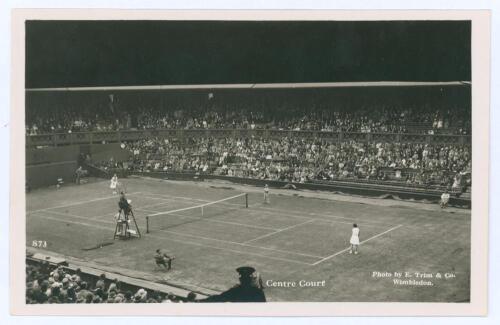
285	213
308	218
192	200
278	231
136	208
96	217
174	240
133	208
327	219
79	203
203	205
160	198
348	248
176	197
146	210
176	201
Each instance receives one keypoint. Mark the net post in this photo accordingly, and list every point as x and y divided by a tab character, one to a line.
246	200
147	224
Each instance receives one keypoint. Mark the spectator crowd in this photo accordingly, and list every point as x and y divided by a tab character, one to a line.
46	284
381	119
49	284
302	160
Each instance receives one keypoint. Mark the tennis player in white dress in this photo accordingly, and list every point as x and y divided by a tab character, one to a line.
354	239
114	183
266	194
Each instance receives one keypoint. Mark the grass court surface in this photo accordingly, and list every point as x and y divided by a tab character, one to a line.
297	237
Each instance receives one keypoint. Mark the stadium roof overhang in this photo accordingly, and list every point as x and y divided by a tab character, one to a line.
263	86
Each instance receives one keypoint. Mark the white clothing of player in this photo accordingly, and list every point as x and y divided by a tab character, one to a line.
445	198
355	236
114	183
266	194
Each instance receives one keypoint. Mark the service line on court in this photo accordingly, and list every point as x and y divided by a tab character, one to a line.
171	197
326	217
191	200
278	231
362	242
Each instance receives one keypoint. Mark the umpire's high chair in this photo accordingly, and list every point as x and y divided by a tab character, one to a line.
123	230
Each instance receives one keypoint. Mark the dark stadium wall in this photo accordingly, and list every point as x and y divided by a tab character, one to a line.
45	165
104	152
43	175
51	155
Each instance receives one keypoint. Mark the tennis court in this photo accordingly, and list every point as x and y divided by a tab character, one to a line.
297	237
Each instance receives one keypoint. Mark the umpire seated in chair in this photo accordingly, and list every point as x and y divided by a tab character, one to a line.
124	205
122	217
246	291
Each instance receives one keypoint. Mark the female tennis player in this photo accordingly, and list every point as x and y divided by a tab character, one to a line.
354	239
114	183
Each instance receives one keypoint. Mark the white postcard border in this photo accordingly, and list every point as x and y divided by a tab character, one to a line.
480	148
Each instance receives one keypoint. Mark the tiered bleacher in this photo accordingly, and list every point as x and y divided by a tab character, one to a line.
304	160
373	119
405	136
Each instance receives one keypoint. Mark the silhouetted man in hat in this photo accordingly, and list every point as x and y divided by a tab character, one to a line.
246	291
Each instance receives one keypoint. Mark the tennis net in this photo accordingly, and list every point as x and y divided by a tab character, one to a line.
177	217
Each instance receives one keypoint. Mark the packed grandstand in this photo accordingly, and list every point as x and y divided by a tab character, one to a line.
355	134
429	109
366	120
302	160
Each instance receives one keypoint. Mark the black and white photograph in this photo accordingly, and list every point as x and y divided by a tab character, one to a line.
205	161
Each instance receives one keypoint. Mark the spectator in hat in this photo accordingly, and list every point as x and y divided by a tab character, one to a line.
83	292
127	297
142	295
113	286
89	298
77	276
245	291
101	282
191	296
